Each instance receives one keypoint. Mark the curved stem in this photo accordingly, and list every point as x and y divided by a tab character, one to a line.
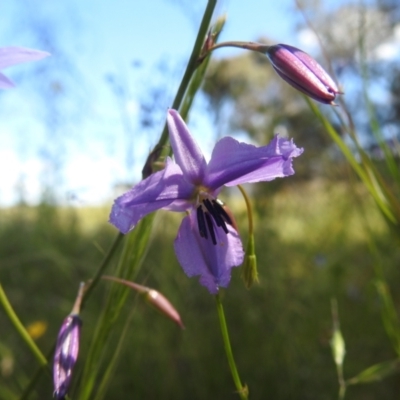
20	328
248	206
242	390
259	47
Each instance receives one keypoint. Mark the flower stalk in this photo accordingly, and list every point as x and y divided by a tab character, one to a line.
153	297
249	269
243	391
191	67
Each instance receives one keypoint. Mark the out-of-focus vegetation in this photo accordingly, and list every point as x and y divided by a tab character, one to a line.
319	236
280	329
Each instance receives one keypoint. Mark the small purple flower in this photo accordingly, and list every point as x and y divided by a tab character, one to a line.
302	72
207	243
66	354
10	56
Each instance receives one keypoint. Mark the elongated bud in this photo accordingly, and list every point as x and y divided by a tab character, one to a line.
249	269
337	341
162	304
302	72
154	298
67	349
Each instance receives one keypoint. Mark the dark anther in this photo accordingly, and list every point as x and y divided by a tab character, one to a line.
215	212
201	222
211	228
218	207
212	211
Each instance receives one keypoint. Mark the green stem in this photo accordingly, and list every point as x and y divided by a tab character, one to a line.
20	328
187	76
253	46
242	390
249	210
102	267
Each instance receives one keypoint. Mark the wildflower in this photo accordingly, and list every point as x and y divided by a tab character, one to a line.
302	72
207	243
67	348
16	55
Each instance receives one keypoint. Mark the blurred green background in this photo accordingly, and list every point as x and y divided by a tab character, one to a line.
319	235
312	244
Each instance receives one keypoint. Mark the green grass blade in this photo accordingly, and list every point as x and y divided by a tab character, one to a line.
389	315
134	249
364	176
376	372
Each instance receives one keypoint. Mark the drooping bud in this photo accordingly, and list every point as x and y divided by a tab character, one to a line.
162	304
154	298
67	349
302	72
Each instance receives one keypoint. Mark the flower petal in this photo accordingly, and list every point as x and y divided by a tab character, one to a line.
5	83
164	189
187	153
198	256
233	163
16	55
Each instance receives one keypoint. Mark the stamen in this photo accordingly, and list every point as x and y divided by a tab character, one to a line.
216	213
201	222
218	207
211	210
210	228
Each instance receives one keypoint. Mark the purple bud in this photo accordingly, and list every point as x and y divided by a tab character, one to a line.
302	72
66	354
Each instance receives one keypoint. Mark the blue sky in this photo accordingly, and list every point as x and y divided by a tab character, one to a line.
97	39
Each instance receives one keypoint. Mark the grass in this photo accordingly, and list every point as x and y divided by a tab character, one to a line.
312	244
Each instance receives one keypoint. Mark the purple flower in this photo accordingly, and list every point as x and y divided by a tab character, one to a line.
207	243
302	72
16	55
66	354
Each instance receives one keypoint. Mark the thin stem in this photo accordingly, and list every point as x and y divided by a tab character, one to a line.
187	76
248	206
102	267
253	46
20	328
342	391
242	390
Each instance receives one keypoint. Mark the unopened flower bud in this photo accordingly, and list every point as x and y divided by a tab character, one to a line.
302	72
156	299
66	354
162	304
67	349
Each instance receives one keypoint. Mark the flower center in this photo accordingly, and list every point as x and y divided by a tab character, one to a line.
208	210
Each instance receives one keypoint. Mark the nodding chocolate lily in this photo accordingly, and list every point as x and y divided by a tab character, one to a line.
10	56
207	243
